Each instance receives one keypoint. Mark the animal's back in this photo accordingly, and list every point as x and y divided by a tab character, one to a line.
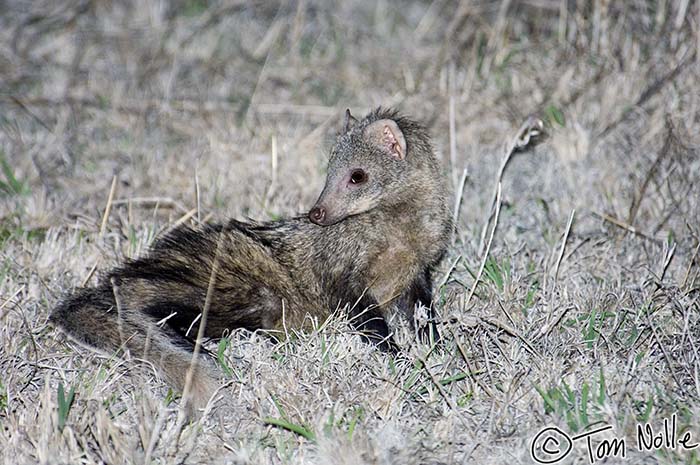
151	306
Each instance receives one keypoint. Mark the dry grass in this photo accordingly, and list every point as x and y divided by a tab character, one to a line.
204	110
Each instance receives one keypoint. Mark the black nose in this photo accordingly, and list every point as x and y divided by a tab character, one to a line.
317	215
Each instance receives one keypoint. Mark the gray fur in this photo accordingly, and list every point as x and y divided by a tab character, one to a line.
386	237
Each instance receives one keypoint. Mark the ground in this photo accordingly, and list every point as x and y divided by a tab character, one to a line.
120	119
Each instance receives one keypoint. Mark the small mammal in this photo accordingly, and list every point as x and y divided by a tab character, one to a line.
379	227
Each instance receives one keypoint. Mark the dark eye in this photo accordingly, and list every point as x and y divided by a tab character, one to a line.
358	177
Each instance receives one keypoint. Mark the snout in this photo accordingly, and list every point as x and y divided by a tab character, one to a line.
317	215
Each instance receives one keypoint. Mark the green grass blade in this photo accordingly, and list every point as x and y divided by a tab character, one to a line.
293	427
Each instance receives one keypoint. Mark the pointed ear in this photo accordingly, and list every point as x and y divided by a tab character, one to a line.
386	134
350	121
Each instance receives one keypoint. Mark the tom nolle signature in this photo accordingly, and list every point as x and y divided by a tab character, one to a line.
552	445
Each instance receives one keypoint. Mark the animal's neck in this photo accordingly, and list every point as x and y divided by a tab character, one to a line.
420	221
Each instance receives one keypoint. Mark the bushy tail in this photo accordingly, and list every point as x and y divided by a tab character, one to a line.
92	317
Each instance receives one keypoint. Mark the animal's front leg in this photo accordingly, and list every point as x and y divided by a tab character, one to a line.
420	293
367	318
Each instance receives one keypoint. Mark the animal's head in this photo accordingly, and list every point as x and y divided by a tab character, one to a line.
368	166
